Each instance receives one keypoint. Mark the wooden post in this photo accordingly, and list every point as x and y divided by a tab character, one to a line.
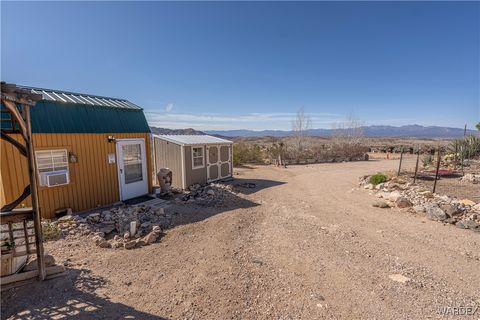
400	164
436	171
416	167
33	188
455	158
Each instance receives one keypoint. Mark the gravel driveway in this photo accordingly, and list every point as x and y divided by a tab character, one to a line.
304	244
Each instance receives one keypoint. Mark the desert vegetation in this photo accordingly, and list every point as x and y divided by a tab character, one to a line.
347	144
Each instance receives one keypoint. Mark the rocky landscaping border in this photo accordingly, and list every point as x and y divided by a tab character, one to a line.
398	192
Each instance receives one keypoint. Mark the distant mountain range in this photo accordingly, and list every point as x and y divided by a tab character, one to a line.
188	131
413	131
408	131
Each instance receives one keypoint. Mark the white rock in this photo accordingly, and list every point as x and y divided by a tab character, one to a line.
393	196
399	278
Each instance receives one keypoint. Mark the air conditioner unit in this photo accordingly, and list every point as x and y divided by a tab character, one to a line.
56	178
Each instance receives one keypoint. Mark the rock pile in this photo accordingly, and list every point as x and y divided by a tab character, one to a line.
127	226
397	192
212	194
470	177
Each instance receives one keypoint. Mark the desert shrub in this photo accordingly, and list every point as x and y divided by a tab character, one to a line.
427	159
244	153
377	178
50	231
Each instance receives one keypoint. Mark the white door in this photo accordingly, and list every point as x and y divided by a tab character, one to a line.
218	162
132	168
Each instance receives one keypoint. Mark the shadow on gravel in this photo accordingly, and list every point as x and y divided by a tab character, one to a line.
69	297
249	186
190	213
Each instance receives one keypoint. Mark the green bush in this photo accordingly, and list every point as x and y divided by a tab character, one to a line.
50	231
378	178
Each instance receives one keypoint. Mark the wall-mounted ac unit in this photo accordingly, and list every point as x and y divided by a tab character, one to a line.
55	178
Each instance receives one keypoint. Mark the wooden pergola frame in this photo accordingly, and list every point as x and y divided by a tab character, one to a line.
18	102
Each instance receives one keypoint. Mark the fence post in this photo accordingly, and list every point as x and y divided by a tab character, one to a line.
436	171
416	166
400	164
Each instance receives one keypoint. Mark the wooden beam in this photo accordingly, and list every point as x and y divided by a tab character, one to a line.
10	92
12	205
18	117
37	222
14	142
17	215
19	278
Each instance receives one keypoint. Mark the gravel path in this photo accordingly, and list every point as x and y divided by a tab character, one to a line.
305	244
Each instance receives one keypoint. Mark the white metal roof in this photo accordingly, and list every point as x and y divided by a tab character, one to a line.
79	98
193	139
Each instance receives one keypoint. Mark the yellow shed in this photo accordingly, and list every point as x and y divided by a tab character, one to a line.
90	151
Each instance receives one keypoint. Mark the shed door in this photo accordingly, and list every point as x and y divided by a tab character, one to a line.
219	162
132	168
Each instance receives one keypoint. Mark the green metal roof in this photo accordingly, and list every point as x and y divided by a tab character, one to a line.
59	117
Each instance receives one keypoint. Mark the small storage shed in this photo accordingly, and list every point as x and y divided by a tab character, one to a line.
90	151
193	158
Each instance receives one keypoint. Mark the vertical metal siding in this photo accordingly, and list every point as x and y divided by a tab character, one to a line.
168	155
93	182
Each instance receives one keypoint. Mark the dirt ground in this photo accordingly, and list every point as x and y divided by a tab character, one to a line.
305	244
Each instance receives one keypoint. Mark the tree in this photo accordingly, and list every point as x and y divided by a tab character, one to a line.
478	126
300	125
348	139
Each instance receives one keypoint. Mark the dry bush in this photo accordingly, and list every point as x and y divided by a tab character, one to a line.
244	153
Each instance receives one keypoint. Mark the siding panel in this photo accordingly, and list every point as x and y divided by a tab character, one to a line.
93	181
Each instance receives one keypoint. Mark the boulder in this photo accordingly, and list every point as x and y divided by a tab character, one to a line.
403	202
450	209
139	243
435	213
130	244
151	237
419	209
104	244
467	224
32	264
393	196
381	204
466	202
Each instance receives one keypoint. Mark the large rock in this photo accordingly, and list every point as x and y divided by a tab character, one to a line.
466	202
130	244
434	212
66	218
381	204
467	224
393	196
151	237
104	244
403	202
419	209
450	209
32	264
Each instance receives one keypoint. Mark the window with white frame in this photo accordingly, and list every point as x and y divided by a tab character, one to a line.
52	167
197	157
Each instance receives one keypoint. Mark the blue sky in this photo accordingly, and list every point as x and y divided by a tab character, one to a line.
224	65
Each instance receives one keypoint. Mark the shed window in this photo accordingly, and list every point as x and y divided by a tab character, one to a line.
197	157
52	167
